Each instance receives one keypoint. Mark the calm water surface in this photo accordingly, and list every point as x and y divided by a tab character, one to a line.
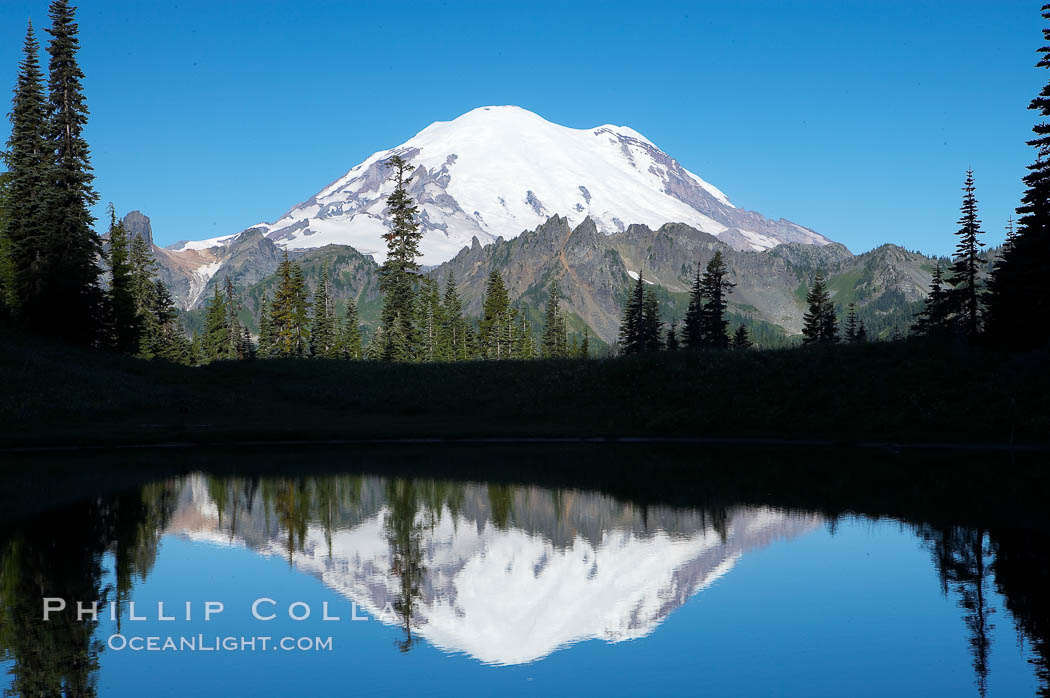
467	587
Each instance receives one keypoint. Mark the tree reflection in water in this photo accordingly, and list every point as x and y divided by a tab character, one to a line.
62	554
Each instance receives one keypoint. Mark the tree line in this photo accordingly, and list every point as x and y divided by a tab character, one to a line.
418	323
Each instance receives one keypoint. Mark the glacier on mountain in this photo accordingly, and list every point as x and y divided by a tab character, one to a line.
497	171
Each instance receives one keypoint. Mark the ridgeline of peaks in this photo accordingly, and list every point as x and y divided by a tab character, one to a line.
497	171
502	188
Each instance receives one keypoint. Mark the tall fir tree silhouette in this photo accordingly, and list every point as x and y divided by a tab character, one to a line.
398	271
71	270
964	296
1018	291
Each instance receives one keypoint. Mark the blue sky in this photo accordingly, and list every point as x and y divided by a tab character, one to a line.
857	119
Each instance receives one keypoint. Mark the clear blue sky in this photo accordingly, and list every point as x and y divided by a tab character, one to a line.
857	119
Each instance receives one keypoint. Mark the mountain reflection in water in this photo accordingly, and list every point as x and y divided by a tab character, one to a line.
506	574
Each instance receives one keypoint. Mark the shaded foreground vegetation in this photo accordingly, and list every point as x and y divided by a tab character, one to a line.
908	391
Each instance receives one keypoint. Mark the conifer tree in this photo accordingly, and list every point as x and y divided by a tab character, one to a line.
693	329
27	191
376	348
452	342
124	315
350	339
396	346
630	339
934	320
964	296
234	346
672	337
164	338
246	350
818	324
525	345
552	342
215	342
741	340
300	313
428	320
497	319
585	346
851	328
652	326
862	333
71	272
323	339
1018	292
7	269
715	288
400	268
289	311
267	340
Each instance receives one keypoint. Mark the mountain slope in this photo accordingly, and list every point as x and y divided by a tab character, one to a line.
596	271
496	171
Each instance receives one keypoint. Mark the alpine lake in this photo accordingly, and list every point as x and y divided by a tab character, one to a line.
543	570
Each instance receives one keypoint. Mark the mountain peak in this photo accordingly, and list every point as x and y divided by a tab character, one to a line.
499	170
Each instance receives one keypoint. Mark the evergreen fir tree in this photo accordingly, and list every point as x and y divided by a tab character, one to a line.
715	288
862	333
964	296
630	339
71	272
818	323
652	326
428	320
289	312
376	349
124	315
267	339
497	319
300	313
1018	291
247	347
400	268
165	338
452	341
561	336
27	191
396	346
672	337
323	338
350	340
215	342
234	347
693	329
525	347
7	269
934	320
552	342
741	340
852	328
585	346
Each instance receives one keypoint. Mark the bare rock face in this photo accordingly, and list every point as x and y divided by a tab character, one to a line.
137	223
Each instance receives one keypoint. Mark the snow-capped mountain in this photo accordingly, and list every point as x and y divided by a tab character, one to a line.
566	569
497	171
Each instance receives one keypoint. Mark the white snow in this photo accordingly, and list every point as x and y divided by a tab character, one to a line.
506	596
200	278
203	244
501	154
634	275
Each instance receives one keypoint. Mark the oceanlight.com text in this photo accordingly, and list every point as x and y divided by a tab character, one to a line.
217	643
